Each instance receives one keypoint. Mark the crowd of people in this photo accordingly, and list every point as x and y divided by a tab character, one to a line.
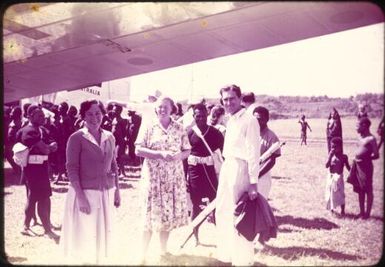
178	154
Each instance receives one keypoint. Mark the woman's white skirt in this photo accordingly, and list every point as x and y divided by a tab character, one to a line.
86	238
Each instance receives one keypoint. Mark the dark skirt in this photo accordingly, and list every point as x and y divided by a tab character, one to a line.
36	178
361	176
202	182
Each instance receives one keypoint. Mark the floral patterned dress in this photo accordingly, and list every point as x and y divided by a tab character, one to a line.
164	182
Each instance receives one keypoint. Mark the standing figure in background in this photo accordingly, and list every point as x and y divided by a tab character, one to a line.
361	174
333	128
304	127
335	188
164	145
202	179
146	109
14	126
178	113
72	114
108	118
93	191
35	174
6	122
362	111
64	132
248	101
380	132
268	138
134	122
119	130
54	129
25	114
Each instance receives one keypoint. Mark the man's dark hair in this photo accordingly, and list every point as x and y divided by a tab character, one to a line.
233	88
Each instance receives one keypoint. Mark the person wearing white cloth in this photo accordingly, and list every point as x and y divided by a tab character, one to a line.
92	171
268	138
239	174
146	109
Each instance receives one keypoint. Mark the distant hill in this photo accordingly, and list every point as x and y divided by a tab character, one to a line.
318	106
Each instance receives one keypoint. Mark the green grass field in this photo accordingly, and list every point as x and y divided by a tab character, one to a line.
308	234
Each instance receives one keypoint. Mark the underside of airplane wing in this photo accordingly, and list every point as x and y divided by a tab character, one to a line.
67	46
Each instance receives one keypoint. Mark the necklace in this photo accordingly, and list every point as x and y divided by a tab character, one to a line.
208	127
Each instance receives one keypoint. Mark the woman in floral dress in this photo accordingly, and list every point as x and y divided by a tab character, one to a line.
163	144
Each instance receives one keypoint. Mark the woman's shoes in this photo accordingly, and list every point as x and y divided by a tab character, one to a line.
28	232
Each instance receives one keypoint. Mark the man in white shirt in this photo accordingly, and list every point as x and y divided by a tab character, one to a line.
239	174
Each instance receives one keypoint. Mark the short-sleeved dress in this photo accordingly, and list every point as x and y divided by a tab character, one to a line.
164	182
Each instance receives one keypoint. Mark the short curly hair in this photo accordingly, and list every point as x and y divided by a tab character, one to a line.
86	105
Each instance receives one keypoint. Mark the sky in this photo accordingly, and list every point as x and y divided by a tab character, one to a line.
337	65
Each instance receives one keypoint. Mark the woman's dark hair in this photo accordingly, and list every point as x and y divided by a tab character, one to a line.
118	109
86	105
72	111
16	112
233	88
179	109
200	107
25	109
218	109
31	110
263	111
248	97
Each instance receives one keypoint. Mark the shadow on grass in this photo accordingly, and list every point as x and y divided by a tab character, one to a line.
355	217
295	253
193	260
125	186
14	260
280	178
6	193
60	189
287	230
316	223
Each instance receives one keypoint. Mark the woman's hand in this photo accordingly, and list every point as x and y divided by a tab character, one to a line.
117	198
176	156
167	156
84	205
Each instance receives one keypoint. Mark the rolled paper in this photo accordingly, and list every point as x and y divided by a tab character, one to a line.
270	151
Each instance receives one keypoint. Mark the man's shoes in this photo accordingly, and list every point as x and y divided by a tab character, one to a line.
55	227
52	235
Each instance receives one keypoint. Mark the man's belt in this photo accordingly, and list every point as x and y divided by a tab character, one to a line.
37	159
194	160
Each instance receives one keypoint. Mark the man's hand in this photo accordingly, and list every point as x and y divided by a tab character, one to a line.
253	191
117	198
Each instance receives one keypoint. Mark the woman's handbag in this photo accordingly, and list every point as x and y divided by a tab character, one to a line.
216	155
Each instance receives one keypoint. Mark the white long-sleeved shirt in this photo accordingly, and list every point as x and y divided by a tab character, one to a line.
241	141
